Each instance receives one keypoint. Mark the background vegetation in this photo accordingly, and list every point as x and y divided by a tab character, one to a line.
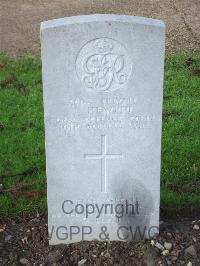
22	152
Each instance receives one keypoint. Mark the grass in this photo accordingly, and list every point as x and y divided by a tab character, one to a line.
22	153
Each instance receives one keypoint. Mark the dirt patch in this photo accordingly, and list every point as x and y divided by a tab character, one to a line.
24	241
170	114
25	173
196	72
20	20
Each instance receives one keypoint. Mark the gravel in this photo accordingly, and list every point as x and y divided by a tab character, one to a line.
28	245
20	20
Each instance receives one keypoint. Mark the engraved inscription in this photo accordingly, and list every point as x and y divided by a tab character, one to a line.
103	156
103	64
112	113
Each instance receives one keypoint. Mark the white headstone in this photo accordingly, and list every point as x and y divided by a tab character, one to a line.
103	90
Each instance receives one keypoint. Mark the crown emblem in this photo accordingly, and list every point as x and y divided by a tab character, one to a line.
103	46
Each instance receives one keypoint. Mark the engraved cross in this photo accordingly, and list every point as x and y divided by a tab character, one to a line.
103	156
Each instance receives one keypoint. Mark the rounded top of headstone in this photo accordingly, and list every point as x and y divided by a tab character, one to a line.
100	18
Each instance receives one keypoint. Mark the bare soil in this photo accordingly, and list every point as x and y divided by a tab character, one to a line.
24	241
20	20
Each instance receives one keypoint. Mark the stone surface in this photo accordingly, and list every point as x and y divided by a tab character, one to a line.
159	246
191	251
54	256
165	252
102	81
24	261
150	257
82	262
168	245
8	237
196	227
